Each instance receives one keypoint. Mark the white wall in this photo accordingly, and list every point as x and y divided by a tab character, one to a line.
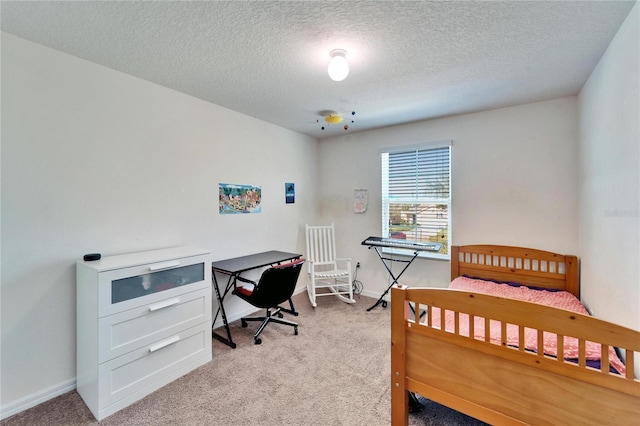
94	160
609	202
514	182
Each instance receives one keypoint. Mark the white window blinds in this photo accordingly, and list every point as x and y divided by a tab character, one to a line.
416	195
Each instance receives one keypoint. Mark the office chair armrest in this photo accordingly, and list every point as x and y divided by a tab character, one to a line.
246	280
244	291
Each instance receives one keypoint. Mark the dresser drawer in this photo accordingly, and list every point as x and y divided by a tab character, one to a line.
129	330
127	288
138	373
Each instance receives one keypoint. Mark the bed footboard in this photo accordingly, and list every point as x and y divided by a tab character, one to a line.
500	383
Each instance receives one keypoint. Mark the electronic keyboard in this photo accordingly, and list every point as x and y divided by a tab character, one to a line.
401	244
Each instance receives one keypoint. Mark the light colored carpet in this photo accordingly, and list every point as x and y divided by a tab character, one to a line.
335	372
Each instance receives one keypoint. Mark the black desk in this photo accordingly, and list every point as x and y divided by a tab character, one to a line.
236	266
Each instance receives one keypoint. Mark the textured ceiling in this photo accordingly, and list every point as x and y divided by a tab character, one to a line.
409	60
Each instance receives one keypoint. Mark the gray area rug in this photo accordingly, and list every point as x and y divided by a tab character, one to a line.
335	372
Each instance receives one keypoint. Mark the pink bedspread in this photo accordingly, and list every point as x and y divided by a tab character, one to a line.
558	299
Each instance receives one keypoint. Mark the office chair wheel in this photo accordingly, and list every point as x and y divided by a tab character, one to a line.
257	341
244	323
280	315
295	331
384	303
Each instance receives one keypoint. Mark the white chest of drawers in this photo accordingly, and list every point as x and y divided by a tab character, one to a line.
143	320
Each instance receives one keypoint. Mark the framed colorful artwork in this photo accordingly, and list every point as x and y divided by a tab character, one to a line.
234	198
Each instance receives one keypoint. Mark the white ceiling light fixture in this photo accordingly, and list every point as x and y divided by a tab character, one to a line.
338	65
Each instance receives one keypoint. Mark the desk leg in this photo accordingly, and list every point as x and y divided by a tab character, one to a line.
227	341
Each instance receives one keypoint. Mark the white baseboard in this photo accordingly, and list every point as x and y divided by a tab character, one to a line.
375	295
24	403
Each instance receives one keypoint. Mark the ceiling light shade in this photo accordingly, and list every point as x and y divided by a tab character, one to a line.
333	119
338	65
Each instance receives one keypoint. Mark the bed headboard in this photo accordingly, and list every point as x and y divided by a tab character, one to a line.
524	265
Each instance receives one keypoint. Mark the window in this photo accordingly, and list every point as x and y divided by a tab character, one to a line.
416	196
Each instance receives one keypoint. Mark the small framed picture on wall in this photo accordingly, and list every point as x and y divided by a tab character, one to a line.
289	193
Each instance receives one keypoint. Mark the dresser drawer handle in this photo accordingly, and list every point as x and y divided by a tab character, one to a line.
164	265
164	304
161	345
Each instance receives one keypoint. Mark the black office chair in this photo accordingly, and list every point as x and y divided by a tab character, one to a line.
276	286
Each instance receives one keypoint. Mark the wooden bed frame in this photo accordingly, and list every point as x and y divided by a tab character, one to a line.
497	383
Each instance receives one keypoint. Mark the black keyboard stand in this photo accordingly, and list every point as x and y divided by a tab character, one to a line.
381	300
